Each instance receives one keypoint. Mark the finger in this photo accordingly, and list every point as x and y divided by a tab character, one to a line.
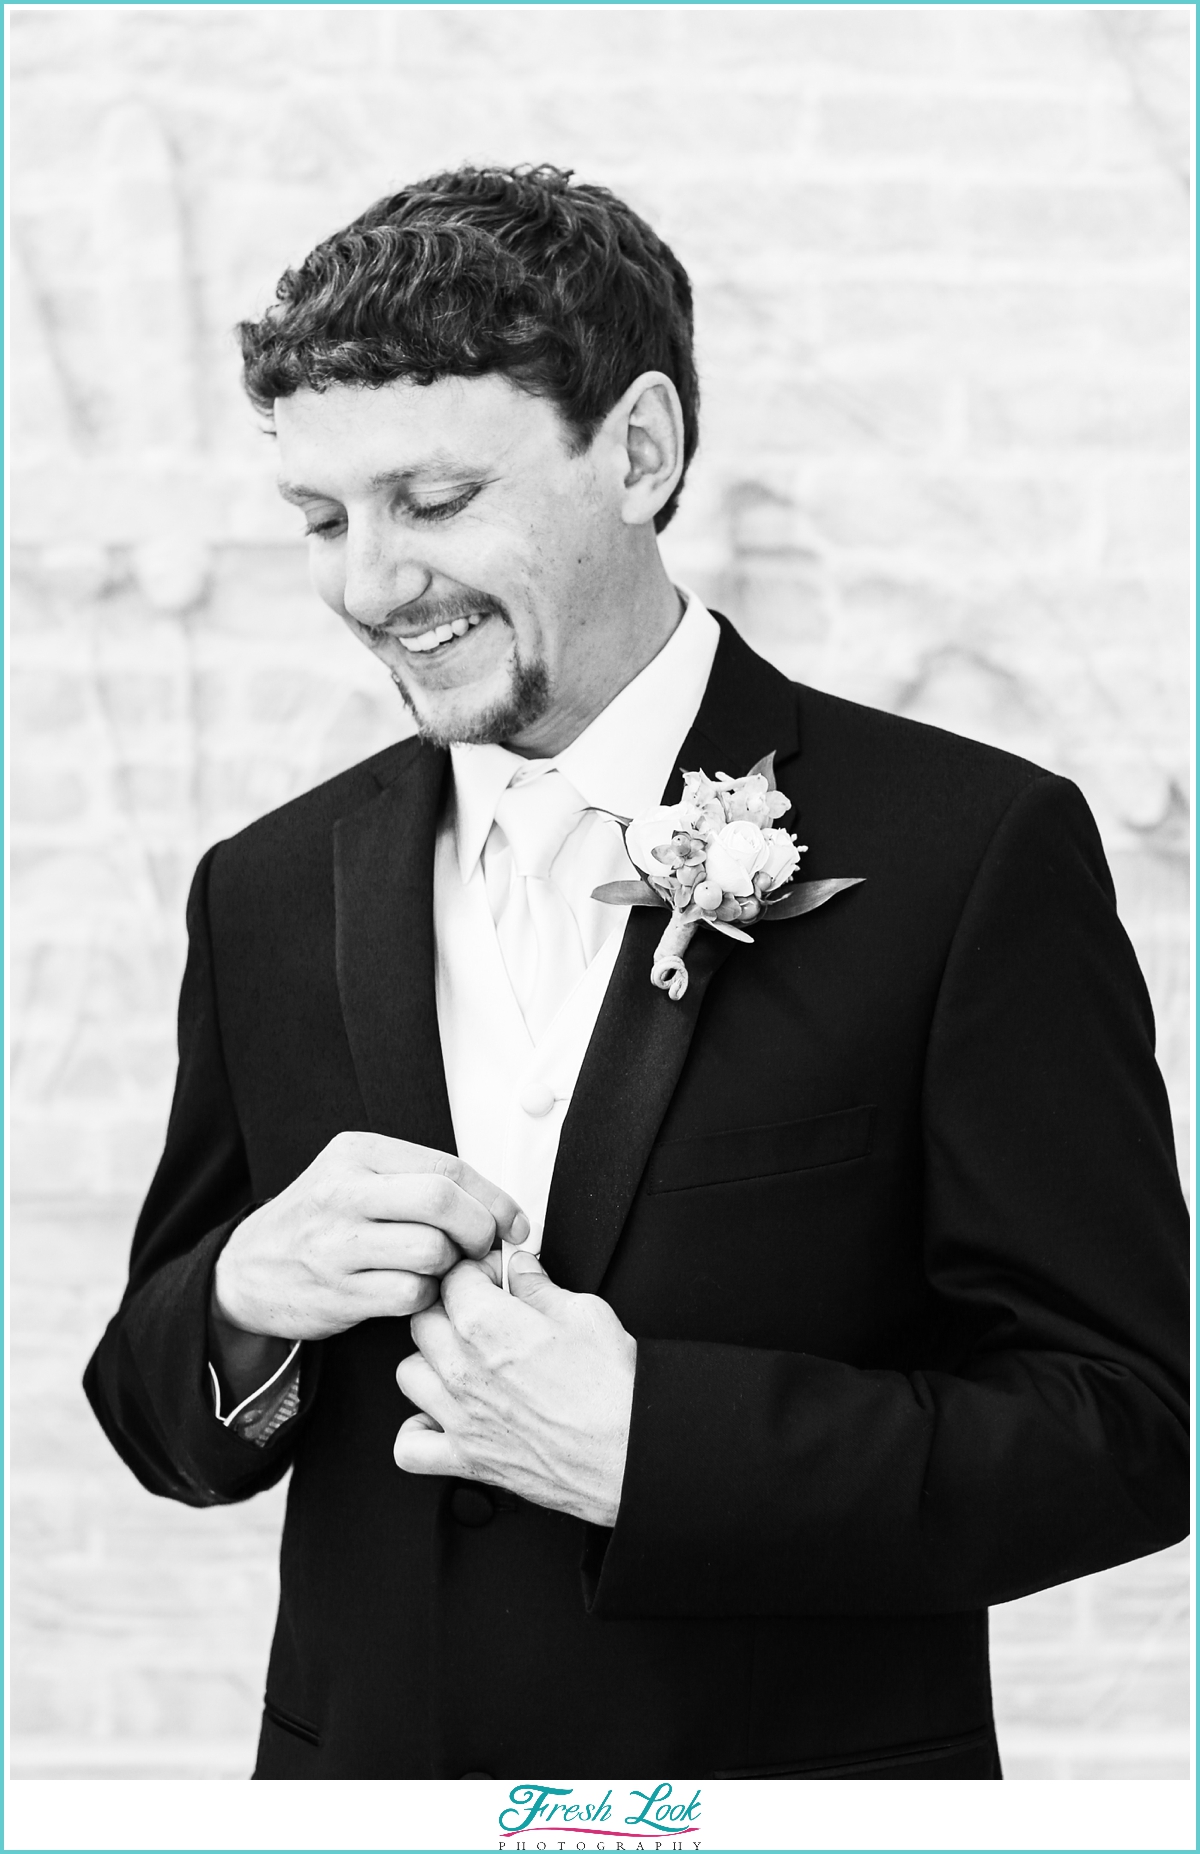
423	1198
435	1340
474	1306
422	1449
376	1152
388	1294
492	1265
421	1385
418	1248
529	1283
428	1198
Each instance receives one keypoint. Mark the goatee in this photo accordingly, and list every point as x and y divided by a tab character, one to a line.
526	701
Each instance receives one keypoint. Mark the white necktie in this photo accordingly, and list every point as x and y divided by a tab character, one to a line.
537	930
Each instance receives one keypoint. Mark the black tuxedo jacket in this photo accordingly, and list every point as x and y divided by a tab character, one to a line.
889	1202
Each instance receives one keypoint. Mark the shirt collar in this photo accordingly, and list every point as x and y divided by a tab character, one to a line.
622	760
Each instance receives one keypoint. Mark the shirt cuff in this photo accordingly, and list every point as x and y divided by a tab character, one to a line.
260	1415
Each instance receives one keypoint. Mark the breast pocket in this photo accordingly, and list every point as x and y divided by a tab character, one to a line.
760	1152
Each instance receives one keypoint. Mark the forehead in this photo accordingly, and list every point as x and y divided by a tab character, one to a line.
402	429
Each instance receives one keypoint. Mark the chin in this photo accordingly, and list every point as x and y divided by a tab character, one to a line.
480	717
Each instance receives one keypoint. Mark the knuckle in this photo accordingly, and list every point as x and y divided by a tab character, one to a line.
455	1377
406	1293
325	1278
428	1248
471	1327
337	1193
440	1197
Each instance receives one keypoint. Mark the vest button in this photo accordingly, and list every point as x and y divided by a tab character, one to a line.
471	1506
537	1099
484	1775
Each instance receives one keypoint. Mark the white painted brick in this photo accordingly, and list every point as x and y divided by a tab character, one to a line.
1093	413
950	131
1147	516
993	518
1044	46
47	796
1089	225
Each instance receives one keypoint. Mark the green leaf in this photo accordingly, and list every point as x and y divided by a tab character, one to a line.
765	768
803	897
731	933
629	894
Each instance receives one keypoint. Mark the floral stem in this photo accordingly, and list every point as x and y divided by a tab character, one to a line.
669	972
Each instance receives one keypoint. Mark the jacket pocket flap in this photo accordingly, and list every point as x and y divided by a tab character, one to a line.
760	1152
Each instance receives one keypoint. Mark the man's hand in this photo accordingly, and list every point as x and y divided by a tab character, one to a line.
530	1390
365	1233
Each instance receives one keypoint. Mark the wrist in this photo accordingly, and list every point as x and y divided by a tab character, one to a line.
242	1358
228	1300
613	1480
220	1302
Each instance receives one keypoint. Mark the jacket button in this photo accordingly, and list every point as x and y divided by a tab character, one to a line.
471	1506
484	1775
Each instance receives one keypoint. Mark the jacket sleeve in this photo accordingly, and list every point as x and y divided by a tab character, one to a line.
148	1380
1051	1439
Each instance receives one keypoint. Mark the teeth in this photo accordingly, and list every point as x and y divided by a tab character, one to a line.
442	633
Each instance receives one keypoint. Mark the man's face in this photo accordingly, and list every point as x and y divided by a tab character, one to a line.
453	530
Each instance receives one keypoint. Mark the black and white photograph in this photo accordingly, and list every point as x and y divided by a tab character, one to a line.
599	939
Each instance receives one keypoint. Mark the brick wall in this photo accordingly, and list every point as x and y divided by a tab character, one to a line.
941	258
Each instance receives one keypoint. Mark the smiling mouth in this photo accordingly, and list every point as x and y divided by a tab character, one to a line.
440	635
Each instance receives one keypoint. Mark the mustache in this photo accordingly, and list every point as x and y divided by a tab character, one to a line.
427	614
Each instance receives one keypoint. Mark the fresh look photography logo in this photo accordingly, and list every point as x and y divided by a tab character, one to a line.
548	1816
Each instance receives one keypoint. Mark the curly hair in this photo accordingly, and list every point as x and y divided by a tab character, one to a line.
560	287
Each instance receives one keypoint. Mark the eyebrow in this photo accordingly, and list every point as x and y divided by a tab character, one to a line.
436	462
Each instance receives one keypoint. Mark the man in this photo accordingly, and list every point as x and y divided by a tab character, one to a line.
668	1384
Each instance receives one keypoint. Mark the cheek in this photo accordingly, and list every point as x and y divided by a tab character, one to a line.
326	569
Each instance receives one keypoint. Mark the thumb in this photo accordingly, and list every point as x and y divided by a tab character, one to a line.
528	1280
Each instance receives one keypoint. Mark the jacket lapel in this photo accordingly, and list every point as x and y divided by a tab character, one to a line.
383	887
641	1039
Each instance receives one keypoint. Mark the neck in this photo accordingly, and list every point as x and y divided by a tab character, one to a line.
627	639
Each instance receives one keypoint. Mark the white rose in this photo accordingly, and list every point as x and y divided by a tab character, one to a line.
651	831
750	805
735	856
782	859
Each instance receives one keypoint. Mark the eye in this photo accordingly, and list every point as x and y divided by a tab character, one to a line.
442	511
332	524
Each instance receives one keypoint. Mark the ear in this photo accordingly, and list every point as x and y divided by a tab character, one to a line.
647	427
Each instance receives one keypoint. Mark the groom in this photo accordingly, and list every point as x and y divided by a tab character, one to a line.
668	1384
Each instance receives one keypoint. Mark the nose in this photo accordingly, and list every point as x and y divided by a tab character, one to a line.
383	571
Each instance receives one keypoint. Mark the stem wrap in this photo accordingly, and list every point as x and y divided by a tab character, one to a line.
669	972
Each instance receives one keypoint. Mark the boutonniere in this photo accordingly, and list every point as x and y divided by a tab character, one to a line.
716	859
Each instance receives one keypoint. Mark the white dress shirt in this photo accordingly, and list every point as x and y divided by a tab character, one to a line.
509	1091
